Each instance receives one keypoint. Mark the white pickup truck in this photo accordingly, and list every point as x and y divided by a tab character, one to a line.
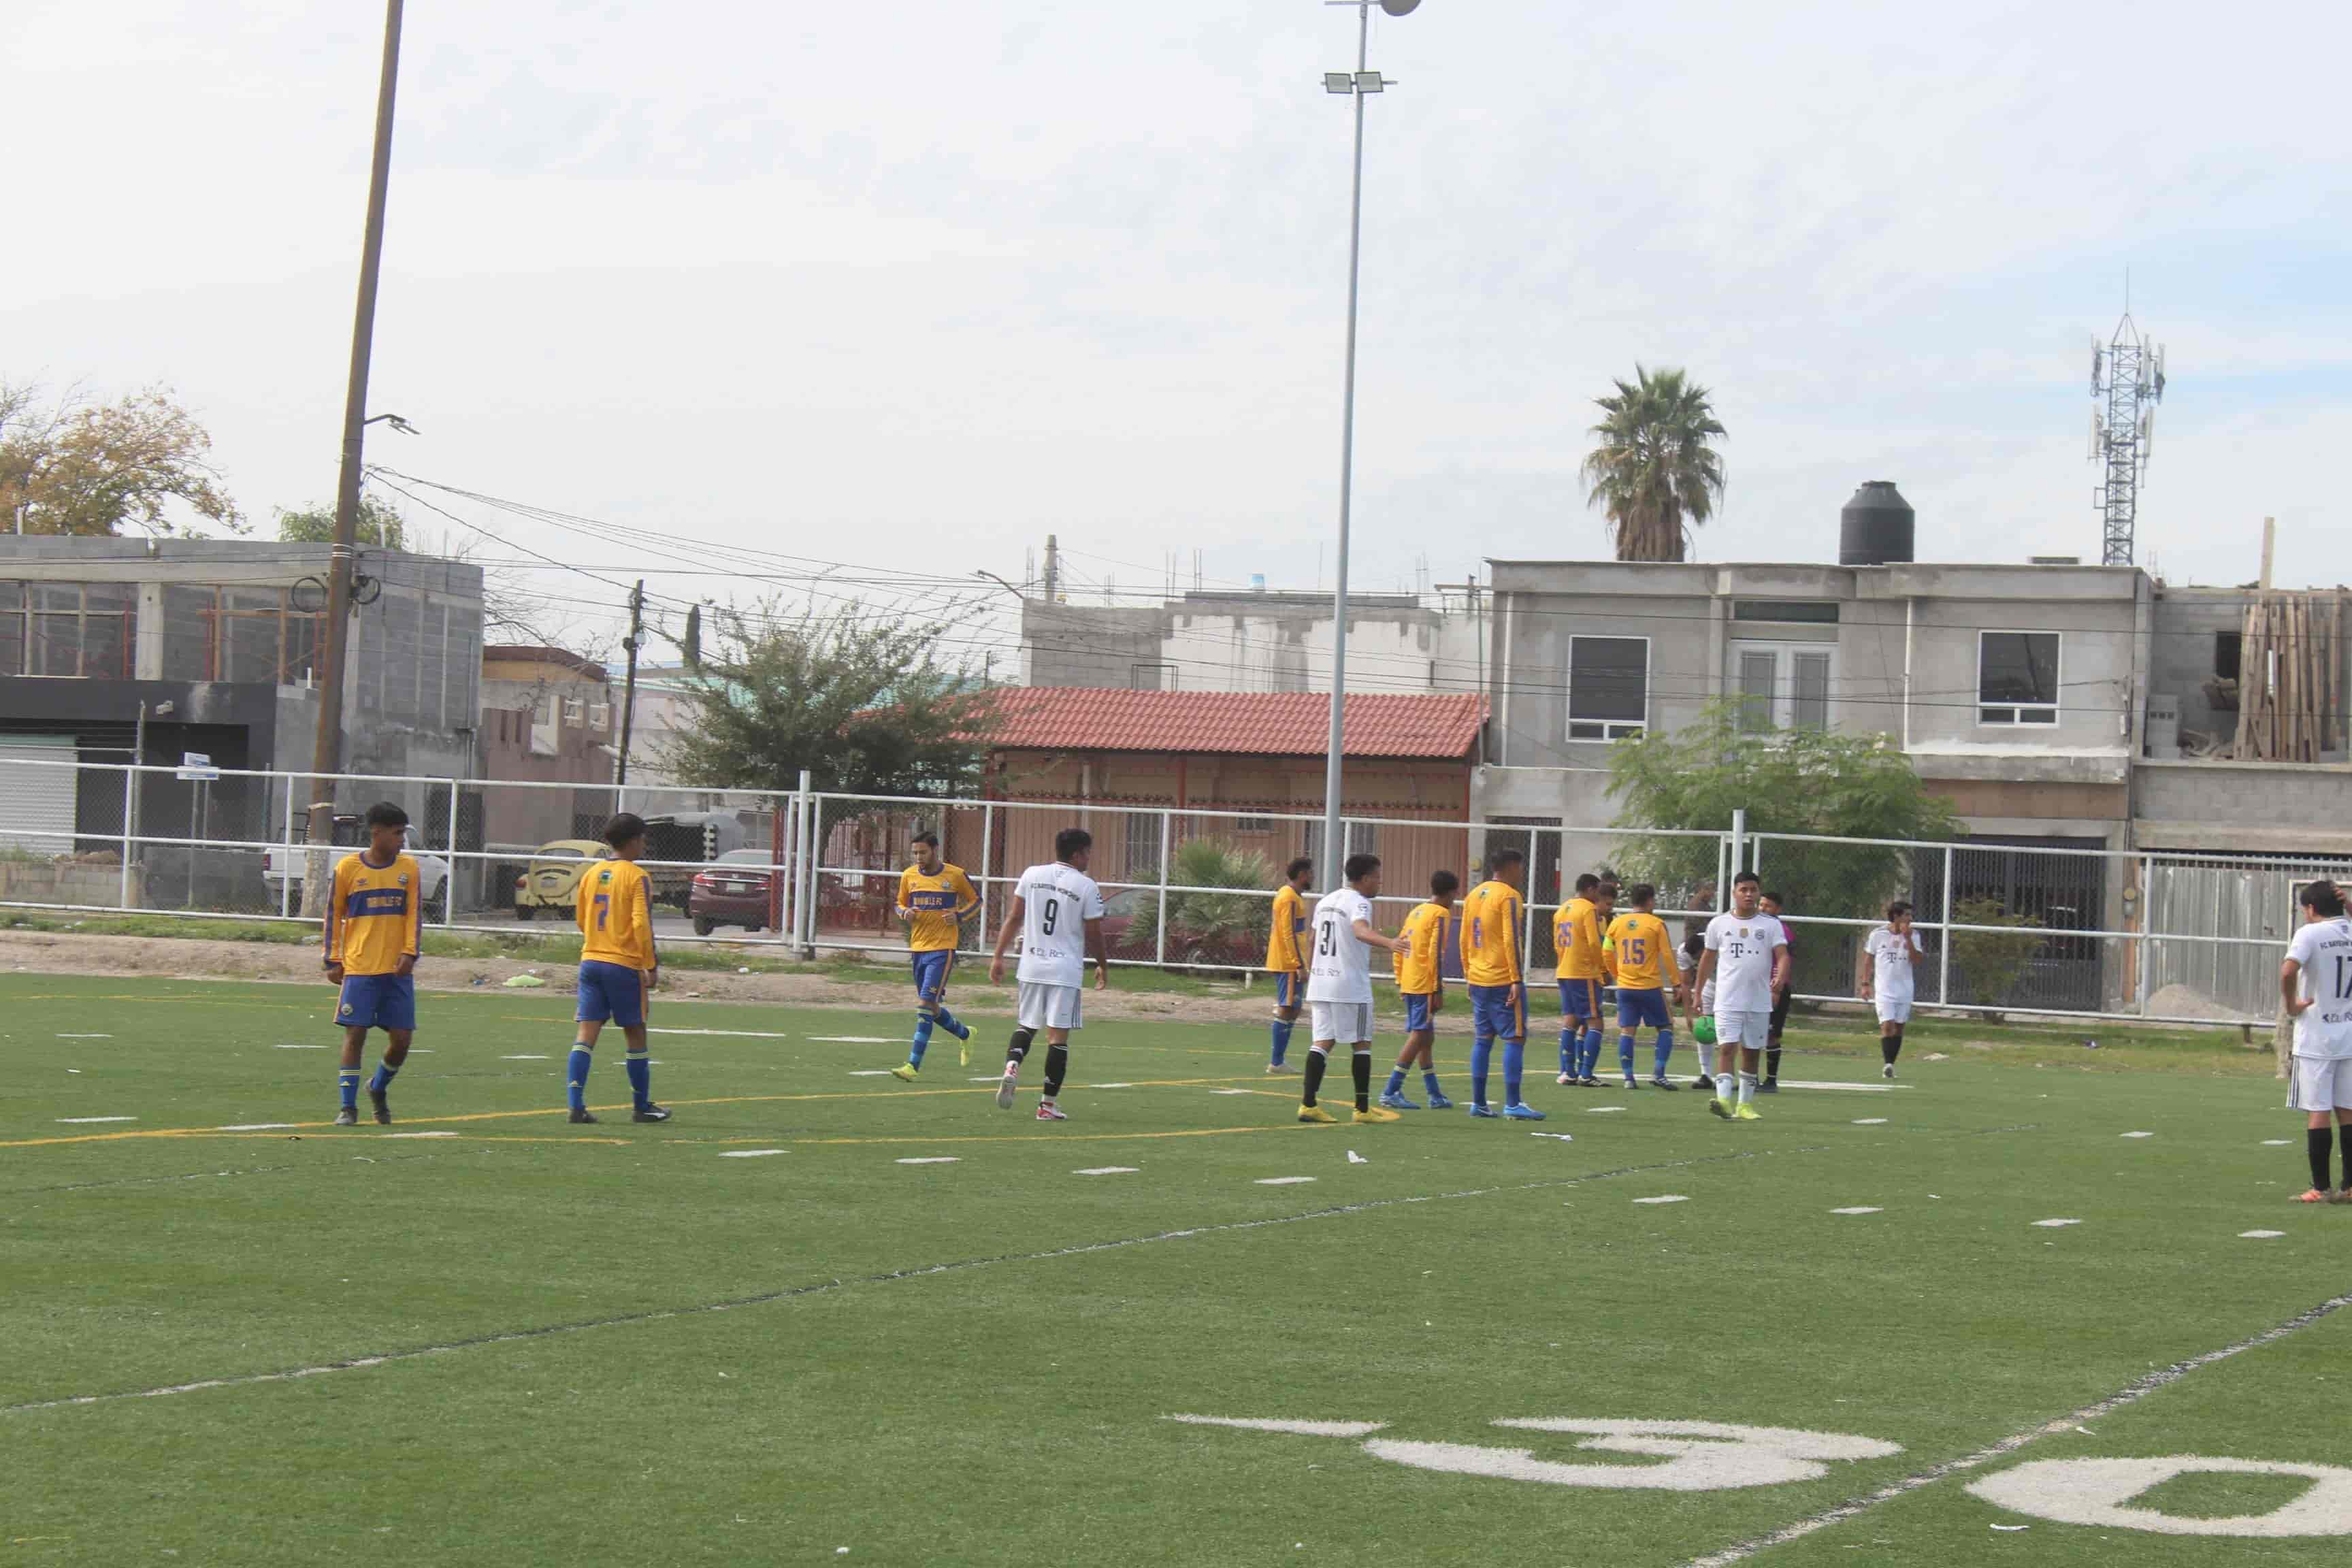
283	863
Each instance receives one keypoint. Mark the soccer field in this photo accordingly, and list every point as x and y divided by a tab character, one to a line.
826	1313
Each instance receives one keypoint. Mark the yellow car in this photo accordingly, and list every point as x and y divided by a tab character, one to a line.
553	880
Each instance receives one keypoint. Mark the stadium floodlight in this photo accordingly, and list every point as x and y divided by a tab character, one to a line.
1331	857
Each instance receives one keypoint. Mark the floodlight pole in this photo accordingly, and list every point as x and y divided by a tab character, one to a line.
1333	871
327	755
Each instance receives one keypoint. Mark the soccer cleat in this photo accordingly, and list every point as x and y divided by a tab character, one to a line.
1717	1107
1888	1072
1588	1081
582	1118
1398	1102
1315	1114
1566	1080
1439	1103
1522	1111
1770	1086
382	1100
1670	1087
1632	1082
905	1072
1746	1113
2316	1196
1703	1081
347	1117
1009	1086
650	1112
1281	1067
1485	1111
1049	1111
1378	1113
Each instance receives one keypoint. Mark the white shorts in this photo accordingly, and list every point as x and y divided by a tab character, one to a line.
1342	1023
2320	1083
1891	1009
1051	1007
1746	1029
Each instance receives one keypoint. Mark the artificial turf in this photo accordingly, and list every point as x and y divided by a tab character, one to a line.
620	1344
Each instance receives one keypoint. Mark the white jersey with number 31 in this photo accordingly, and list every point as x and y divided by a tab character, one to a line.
2323	951
1056	902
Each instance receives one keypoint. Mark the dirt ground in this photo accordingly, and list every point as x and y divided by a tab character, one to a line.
175	958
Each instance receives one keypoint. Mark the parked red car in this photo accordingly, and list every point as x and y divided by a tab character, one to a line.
738	890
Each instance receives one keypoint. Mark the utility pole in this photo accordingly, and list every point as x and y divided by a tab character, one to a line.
1053	569
629	692
327	756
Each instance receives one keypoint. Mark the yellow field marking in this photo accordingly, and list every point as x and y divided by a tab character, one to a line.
562	1111
1023	1137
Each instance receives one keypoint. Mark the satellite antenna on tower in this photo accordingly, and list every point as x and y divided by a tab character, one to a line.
2126	383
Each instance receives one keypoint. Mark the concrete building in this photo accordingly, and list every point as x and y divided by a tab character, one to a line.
210	635
547	718
1257	641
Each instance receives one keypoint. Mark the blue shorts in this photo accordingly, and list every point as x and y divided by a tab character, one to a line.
1580	1000
1492	1015
932	972
1641	1009
1417	1015
1289	988
377	1002
612	992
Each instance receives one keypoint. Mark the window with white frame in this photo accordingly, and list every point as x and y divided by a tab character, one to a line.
1783	685
1143	845
1608	686
2017	678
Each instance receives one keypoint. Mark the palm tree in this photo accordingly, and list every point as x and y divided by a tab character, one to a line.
1654	467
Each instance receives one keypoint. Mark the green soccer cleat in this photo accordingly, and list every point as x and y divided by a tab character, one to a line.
1716	1108
905	1072
1746	1113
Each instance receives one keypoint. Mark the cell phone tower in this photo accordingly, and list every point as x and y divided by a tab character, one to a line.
2126	383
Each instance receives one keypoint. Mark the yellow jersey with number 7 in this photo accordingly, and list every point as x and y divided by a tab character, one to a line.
616	915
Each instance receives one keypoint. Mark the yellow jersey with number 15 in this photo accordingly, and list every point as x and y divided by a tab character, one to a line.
1644	953
616	915
1490	935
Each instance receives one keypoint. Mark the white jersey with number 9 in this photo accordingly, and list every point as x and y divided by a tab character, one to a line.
1056	902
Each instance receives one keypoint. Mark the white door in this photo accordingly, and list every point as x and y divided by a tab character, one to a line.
36	804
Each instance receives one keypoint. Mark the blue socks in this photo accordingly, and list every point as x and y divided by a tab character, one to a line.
641	1078
1281	1039
575	1075
1569	1048
348	1082
1396	1082
1481	1053
922	1039
1665	1049
1625	1054
951	1023
1429	1081
1515	1059
384	1072
1591	1051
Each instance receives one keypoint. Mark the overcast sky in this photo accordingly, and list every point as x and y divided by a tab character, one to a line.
914	284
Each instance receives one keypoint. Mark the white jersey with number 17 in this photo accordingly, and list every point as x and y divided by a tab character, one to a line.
2323	953
1056	902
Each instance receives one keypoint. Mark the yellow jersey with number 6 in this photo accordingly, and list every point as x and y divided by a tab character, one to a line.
1490	935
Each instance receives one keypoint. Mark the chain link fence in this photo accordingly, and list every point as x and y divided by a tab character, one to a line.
2018	926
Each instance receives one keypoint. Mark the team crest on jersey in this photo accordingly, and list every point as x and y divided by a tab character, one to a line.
401	880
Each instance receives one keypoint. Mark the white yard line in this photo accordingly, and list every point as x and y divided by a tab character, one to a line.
2130	1394
826	1286
727	1034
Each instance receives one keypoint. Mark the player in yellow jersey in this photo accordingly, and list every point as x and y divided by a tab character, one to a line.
1420	981
371	927
1497	981
1642	955
618	967
1576	945
1285	955
934	899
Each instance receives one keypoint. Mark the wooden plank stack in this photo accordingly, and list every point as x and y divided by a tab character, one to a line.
2291	677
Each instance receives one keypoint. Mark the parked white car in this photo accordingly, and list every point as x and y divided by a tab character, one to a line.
283	863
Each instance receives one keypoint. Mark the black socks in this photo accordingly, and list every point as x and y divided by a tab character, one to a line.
1315	1062
2316	1141
1363	1066
1019	1048
1772	1065
1891	1045
1057	1064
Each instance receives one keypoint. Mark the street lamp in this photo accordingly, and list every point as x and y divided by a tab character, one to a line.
1356	84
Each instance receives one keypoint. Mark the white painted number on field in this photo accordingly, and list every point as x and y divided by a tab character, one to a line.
2054	1223
2099	1493
1106	1171
1700	1456
1282	1181
932	1160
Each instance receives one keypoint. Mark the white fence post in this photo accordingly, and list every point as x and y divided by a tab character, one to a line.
1160	926
130	783
987	860
811	810
1738	846
285	842
449	882
1944	958
2146	920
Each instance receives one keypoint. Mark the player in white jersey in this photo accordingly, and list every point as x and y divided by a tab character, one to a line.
1058	910
1746	958
1889	979
1339	986
2315	983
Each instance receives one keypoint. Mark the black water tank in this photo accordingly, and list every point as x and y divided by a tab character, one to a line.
1876	526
